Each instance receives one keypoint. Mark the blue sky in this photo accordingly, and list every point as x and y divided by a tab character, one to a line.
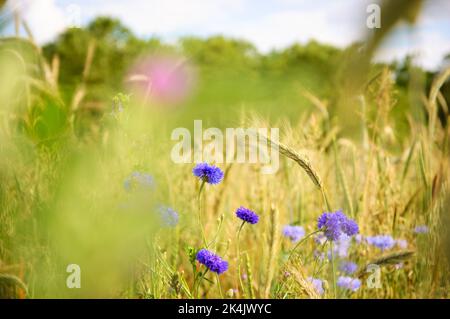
269	24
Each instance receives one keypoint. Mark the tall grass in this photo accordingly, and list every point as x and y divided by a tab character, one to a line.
62	199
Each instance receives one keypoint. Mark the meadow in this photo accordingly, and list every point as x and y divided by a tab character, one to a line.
96	187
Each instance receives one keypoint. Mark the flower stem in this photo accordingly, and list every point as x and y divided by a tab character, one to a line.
199	281
325	199
200	207
333	270
220	286
300	242
239	258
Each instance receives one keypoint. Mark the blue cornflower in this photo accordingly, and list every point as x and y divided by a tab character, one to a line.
212	261
349	283
294	233
247	215
421	229
382	242
317	284
335	224
348	267
138	180
208	173
169	216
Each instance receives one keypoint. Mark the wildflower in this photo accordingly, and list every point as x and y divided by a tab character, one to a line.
340	247
335	224
421	229
317	284
166	79
294	233
138	180
402	243
208	173
382	242
349	283
212	261
247	215
169	216
348	267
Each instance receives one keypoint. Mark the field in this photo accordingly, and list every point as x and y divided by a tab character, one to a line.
92	204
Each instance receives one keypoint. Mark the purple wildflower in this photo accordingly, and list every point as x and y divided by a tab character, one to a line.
294	233
247	215
348	267
341	247
335	224
349	283
212	261
208	173
169	216
421	229
382	242
317	284
138	180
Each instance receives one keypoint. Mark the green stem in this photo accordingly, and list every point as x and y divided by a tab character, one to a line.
333	270
220	286
239	258
300	242
202	231
325	199
199	281
216	236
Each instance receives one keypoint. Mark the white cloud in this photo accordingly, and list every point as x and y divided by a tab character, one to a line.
162	17
281	29
428	47
44	17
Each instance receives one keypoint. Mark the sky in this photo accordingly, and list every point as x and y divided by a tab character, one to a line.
269	24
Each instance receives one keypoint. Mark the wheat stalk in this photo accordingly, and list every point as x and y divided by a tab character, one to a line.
273	249
390	259
301	160
248	270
